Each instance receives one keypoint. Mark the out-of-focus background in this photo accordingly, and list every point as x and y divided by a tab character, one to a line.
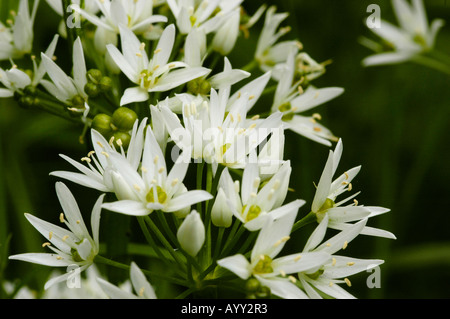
393	120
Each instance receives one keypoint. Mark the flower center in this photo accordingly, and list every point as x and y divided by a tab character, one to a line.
286	109
199	86
264	265
329	203
161	195
252	212
316	274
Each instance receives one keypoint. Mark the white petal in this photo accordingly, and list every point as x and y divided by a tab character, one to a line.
187	199
42	259
140	283
237	264
127	207
283	288
134	94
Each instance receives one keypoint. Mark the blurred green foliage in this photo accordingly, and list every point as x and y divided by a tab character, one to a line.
394	121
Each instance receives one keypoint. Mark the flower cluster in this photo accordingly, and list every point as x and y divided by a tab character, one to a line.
163	99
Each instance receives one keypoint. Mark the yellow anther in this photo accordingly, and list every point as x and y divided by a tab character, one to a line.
253	194
317	116
58	257
155	159
86	159
65	237
139	54
111	141
292	279
256	117
350	263
346	175
157	51
317	129
91	153
231	118
78	221
46	244
141	291
119	142
252	126
300	89
333	261
356	202
251	97
345	245
298	258
256	182
328	245
105	154
136	187
331	283
276	185
100	144
350	187
175	181
144	169
282	273
285	238
161	169
61	217
142	46
50	235
347	281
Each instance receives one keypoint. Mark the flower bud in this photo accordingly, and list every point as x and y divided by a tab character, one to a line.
199	86
105	84
30	90
252	285
78	102
221	214
191	234
26	101
102	123
94	76
92	89
123	118
121	139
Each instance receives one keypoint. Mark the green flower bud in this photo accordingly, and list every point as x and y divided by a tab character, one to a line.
102	124
123	118
78	102
264	292
252	285
92	89
94	76
30	90
121	139
199	86
26	101
105	84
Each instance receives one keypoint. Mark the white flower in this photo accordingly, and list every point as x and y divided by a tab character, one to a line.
16	80
290	99
63	87
226	36
73	246
202	14
208	132
253	204
414	35
191	233
328	277
17	40
154	188
269	53
99	174
154	75
134	15
327	192
272	272
142	288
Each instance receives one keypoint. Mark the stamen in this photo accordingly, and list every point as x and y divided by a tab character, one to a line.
144	169
155	159
86	159
61	217
58	257
119	142
91	153
46	244
106	154
50	235
161	169
65	237
317	116
350	263
136	187
345	245
256	182
350	187
282	273
157	51
255	117
292	279
333	261
141	291
142	46
298	258
175	181
347	281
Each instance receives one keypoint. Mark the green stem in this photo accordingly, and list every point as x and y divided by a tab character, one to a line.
308	219
109	262
186	293
250	66
164	241
432	63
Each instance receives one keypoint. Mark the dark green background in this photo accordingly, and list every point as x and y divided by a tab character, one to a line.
393	121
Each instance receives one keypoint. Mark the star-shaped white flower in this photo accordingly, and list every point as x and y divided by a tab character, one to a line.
63	87
17	40
155	188
324	202
72	246
154	75
268	52
207	15
412	37
252	203
209	133
328	277
142	288
98	174
15	80
273	272
290	99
